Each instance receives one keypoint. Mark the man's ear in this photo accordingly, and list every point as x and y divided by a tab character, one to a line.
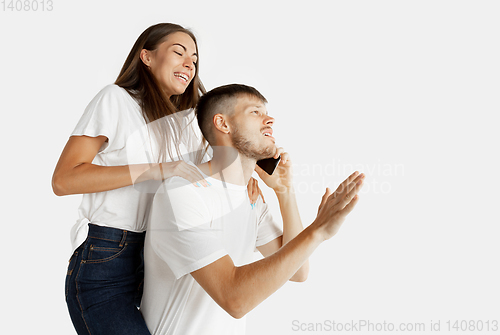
145	56
221	124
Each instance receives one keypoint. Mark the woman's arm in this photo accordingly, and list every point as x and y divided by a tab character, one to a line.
75	173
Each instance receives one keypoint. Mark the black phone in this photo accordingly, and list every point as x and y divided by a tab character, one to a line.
269	164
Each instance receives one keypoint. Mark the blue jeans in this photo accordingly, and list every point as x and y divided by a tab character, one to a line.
104	283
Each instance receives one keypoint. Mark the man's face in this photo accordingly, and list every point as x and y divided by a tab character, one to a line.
251	128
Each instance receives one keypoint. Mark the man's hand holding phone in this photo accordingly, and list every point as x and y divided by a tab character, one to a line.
281	180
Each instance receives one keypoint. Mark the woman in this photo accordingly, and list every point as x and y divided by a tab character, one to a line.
106	161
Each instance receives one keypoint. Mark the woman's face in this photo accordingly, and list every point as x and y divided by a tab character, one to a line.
173	63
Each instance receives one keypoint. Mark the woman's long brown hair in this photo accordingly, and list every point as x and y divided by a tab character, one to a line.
140	83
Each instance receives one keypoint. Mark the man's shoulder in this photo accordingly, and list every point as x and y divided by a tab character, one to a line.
179	191
180	204
175	187
176	181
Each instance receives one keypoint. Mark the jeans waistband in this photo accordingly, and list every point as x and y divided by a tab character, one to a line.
115	234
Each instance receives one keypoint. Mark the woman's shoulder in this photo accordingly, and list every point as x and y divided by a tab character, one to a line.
114	93
113	89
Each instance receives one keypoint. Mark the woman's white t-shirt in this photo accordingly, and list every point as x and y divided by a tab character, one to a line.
115	114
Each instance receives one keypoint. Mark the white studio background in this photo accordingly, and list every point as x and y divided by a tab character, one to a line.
404	91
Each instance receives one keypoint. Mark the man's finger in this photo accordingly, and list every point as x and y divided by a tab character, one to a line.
285	156
325	197
278	152
345	200
343	187
354	183
350	206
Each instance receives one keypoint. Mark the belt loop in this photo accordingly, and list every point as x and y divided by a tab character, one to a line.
124	237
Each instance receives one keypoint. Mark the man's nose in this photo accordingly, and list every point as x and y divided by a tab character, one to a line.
269	121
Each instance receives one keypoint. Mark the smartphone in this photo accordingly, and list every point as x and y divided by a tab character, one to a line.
269	164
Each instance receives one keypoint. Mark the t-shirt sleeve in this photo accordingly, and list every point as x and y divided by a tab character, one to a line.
106	116
181	232
268	228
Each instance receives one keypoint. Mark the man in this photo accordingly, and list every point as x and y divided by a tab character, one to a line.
199	274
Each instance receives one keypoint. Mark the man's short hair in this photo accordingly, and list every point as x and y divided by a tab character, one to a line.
220	100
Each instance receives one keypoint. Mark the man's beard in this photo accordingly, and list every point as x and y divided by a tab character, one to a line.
247	149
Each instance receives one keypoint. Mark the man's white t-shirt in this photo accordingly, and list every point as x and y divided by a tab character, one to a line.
191	227
115	114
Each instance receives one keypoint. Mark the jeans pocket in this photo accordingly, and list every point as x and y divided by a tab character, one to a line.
101	254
